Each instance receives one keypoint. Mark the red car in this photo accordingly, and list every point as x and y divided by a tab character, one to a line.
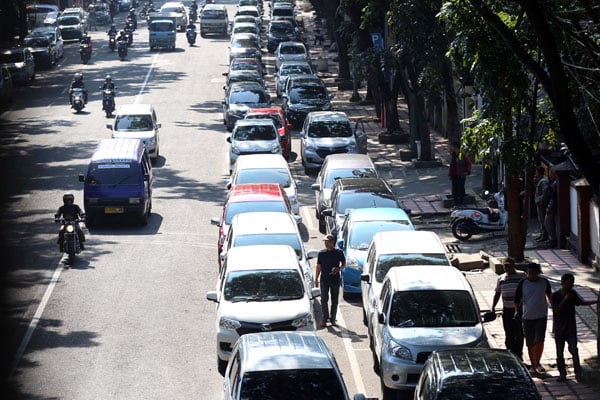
250	197
283	127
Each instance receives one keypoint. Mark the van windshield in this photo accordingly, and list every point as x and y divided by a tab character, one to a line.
387	261
263	285
321	384
122	173
432	309
132	123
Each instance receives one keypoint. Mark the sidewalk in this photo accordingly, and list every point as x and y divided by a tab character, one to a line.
421	191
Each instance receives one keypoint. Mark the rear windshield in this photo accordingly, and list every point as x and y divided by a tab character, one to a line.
347	201
133	123
322	384
293	49
283	12
282	29
387	261
236	208
289	239
309	92
336	174
120	173
161	26
248	96
214	14
263	285
295	69
273	117
264	175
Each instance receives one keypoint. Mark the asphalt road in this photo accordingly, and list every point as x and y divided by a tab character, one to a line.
130	320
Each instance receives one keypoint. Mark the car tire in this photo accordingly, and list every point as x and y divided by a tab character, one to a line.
365	321
221	366
322	226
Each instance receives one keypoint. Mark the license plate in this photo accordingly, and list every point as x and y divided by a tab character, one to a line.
114	210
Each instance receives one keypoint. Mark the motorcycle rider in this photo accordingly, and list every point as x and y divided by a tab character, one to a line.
86	39
112	30
77	83
133	17
190	31
70	212
122	36
108	84
194	8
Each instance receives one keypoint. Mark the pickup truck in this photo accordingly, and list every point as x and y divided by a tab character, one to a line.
163	30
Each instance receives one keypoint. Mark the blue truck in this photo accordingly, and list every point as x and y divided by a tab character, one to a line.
162	28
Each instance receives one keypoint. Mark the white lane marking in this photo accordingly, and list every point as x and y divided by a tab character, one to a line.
360	387
36	318
139	96
307	217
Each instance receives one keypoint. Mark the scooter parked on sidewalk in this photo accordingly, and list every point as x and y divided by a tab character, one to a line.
471	221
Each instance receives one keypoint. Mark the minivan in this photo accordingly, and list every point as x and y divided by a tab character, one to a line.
118	181
267	365
214	19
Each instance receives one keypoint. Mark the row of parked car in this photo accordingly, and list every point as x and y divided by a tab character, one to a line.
424	325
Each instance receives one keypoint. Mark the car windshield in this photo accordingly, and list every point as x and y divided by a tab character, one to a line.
254	132
12	57
170	10
213	14
273	117
325	129
281	29
264	175
313	384
295	69
236	208
347	201
263	285
244	78
248	96
387	261
290	239
335	174
132	123
244	29
69	21
292	49
362	232
432	309
37	41
244	43
308	92
113	174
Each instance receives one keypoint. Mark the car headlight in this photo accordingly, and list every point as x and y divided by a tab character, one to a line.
310	147
275	148
303	321
135	200
353	263
397	350
235	150
152	140
228	323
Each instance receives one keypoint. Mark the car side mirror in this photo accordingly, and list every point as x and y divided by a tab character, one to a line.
359	396
315	186
289	126
109	126
298	218
81	178
146	177
225	73
331	96
312	254
228	185
315	292
366	278
212	296
340	244
328	212
158	125
489	316
381	318
228	139
215	221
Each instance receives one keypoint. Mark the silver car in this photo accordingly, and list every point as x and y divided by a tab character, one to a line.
291	51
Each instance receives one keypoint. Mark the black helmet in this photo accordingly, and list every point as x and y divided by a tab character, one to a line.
68	198
113	27
78	77
108	79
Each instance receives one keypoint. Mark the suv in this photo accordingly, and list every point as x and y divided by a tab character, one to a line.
261	288
19	62
54	36
44	54
491	374
329	132
178	8
71	26
138	121
421	308
214	19
253	136
300	98
263	364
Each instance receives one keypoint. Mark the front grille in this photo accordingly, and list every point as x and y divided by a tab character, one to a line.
325	151
106	202
251	327
422	357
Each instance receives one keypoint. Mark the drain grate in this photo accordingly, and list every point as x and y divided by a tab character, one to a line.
453	248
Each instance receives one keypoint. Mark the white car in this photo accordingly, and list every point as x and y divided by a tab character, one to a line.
138	121
253	136
267	168
260	289
291	51
179	9
397	249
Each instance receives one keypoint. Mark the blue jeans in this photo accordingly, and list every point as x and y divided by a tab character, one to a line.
328	288
571	341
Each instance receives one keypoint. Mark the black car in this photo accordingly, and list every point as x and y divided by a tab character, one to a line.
244	64
249	75
281	31
43	52
304	97
245	45
240	98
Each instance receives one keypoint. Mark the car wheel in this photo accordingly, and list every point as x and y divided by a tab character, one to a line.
376	366
221	366
365	321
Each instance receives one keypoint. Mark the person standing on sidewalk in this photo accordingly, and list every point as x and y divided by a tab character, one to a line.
330	263
460	167
540	188
551	202
505	287
564	301
532	309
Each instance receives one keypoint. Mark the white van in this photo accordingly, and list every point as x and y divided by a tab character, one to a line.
261	289
397	249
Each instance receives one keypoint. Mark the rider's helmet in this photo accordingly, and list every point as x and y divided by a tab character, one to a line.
122	32
78	77
113	27
68	199
108	79
132	11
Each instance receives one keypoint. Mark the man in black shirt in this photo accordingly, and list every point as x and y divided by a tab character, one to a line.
330	263
565	326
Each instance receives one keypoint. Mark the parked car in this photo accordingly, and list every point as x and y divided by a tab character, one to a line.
124	5
337	166
245	27
178	8
281	31
467	373
36	13
397	249
253	136
291	51
355	236
20	63
253	11
6	86
244	75
240	98
71	27
288	68
76	11
44	54
247	18
283	127
304	97
250	197
421	308
102	13
263	364
244	64
54	36
138	121
329	132
352	193
267	168
246	45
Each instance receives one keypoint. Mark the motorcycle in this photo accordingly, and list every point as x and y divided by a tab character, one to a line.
85	51
77	99
122	49
131	23
191	34
70	245
112	41
470	221
193	15
108	101
128	34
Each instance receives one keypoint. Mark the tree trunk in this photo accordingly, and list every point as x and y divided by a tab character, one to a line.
516	238
452	122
